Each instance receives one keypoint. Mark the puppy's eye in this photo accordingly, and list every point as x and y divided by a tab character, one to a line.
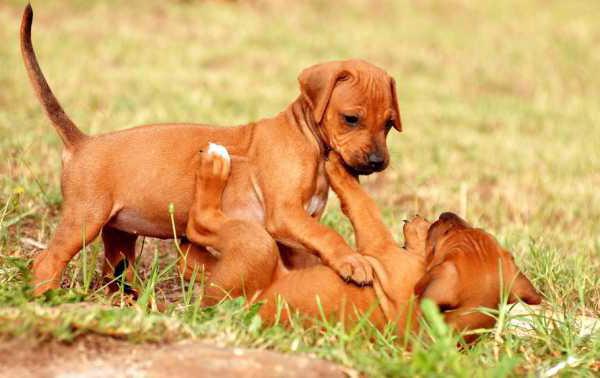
351	120
389	124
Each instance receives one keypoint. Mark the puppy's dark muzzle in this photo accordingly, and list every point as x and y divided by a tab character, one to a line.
373	162
365	170
376	162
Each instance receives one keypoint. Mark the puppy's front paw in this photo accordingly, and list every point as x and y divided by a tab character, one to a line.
354	267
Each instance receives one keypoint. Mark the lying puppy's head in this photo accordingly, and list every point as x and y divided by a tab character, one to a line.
468	269
354	106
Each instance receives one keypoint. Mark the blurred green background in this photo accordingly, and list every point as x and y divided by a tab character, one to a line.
499	101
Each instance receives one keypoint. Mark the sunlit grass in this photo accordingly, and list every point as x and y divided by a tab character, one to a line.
499	103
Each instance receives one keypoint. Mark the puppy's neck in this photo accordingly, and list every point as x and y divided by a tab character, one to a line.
300	115
397	271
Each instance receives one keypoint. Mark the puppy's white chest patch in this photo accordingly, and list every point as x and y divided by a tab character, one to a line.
315	205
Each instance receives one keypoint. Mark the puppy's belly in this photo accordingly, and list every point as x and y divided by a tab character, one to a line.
250	210
242	198
131	221
240	201
317	290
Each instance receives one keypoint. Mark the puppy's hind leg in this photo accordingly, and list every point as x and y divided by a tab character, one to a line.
249	261
119	258
79	225
206	217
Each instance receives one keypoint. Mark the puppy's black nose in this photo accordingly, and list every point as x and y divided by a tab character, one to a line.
376	161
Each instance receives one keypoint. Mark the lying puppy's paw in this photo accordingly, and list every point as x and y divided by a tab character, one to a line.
354	267
218	150
415	234
215	166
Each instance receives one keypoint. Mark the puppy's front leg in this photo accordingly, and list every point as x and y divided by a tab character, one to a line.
371	233
292	226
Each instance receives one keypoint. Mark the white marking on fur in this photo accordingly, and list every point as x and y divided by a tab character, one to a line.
315	205
217	149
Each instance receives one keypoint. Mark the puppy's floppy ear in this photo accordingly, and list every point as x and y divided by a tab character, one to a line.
523	289
440	284
397	120
317	83
453	219
446	222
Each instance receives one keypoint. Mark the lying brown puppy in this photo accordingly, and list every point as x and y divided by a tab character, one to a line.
398	271
121	184
468	269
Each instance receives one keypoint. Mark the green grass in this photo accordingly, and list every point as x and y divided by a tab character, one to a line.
499	102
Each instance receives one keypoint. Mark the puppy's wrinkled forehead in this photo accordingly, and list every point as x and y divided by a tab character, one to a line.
367	87
356	87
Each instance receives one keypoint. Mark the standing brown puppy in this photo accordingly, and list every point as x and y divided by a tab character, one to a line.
121	184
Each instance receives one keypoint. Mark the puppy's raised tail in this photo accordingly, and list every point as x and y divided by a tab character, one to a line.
69	133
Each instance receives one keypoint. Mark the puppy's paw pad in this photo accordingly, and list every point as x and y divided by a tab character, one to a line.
354	268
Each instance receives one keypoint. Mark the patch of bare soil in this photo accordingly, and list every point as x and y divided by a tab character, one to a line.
95	356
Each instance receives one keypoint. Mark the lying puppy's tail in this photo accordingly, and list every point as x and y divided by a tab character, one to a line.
69	133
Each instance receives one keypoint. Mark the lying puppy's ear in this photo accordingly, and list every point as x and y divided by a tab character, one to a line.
453	219
397	120
440	284
522	289
446	222
317	83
